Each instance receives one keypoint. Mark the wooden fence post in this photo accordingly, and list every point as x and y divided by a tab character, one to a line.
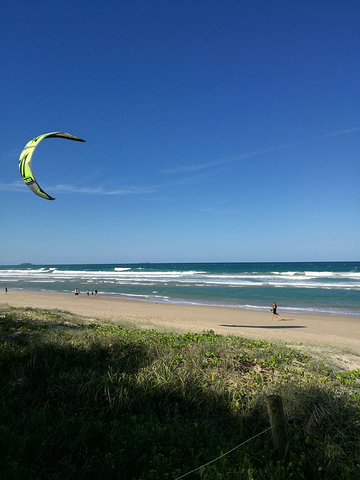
278	424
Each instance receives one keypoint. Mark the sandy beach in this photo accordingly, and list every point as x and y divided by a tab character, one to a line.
325	330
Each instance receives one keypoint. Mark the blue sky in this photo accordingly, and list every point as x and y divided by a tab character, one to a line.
215	130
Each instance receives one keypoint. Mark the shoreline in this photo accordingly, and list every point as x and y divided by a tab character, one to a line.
139	298
326	330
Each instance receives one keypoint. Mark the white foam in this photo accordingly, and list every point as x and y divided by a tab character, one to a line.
131	276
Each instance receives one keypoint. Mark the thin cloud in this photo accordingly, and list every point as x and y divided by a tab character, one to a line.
19	186
224	161
341	132
183	169
126	190
16	186
204	166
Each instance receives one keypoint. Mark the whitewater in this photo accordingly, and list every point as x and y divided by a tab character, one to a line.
331	288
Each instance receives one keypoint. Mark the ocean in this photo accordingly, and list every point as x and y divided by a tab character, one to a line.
331	288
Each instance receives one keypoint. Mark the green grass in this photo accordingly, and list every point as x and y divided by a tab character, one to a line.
100	401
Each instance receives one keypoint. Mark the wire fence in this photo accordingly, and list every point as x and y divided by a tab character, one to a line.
223	455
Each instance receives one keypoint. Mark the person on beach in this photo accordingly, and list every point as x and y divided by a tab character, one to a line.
77	291
273	310
5	289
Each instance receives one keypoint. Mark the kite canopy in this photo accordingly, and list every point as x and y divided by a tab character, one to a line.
26	156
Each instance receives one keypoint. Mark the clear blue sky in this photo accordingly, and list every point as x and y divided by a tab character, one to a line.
215	130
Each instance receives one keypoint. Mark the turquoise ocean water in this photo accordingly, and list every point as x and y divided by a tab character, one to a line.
316	287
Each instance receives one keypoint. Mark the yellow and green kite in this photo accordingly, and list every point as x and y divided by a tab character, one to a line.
26	156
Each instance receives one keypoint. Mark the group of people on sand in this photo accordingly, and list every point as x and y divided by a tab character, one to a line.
77	292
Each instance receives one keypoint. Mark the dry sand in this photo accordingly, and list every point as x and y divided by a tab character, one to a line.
338	337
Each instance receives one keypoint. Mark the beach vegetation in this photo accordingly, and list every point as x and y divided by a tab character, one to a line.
96	400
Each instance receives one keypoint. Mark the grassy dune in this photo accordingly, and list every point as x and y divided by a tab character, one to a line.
95	400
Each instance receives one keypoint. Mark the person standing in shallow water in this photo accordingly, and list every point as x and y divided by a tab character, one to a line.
273	309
